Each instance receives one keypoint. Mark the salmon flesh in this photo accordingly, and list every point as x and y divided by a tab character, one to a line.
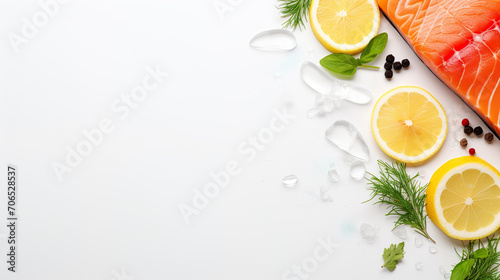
459	40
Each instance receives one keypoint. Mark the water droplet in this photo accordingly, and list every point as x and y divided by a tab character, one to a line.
447	275
442	270
368	232
418	241
419	265
400	232
344	135
325	194
326	84
274	40
433	249
290	181
422	173
310	50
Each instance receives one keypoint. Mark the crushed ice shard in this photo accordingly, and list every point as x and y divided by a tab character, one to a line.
325	194
333	175
357	170
331	87
344	135
400	232
274	40
433	249
418	241
368	232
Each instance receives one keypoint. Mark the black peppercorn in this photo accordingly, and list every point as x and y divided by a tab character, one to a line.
405	62
388	66
488	137
397	65
388	74
468	129
478	130
389	58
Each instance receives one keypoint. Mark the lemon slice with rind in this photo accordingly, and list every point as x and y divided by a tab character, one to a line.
409	124
463	198
344	26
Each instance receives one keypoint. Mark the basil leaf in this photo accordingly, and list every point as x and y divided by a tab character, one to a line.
375	47
462	269
340	63
480	254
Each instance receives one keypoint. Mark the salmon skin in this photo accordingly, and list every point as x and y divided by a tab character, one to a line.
458	40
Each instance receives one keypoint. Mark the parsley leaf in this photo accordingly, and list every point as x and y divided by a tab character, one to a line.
393	255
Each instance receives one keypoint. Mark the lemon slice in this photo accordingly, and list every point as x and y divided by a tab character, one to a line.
344	26
409	124
463	198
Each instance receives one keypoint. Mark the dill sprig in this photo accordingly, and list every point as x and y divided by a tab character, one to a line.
295	11
402	194
483	262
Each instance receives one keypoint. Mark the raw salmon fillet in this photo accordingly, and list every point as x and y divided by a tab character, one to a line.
459	40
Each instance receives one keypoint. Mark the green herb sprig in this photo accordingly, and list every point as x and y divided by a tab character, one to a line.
402	194
480	264
295	11
347	64
393	255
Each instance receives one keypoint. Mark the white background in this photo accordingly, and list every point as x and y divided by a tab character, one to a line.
116	215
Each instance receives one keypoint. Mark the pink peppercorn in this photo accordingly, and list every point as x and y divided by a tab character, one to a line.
465	122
